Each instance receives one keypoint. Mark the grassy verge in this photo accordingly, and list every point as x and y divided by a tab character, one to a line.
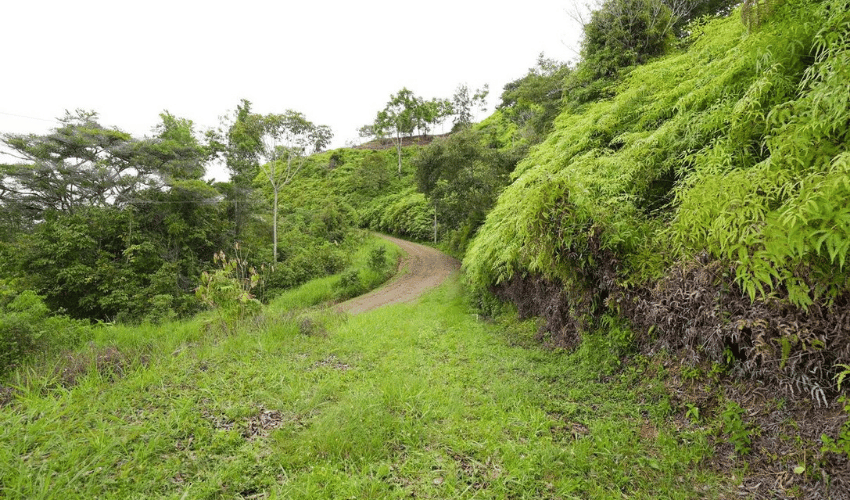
415	400
362	275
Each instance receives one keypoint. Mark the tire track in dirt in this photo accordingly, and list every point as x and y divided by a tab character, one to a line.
422	268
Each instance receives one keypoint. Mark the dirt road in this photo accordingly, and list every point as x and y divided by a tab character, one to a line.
421	269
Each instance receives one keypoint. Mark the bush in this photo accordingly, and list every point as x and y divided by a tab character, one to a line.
27	328
407	213
227	290
738	172
378	259
349	285
309	263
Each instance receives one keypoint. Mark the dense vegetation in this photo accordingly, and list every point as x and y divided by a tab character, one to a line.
674	203
742	164
704	201
104	227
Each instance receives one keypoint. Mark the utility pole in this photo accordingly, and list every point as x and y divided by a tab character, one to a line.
435	222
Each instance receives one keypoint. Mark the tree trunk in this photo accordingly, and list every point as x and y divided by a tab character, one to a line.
398	148
274	226
435	222
236	207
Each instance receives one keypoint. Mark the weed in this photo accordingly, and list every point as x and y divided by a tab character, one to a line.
839	377
740	434
228	289
308	325
693	412
717	370
690	373
106	361
841	444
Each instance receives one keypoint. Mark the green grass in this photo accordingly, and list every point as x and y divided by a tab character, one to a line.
418	400
326	289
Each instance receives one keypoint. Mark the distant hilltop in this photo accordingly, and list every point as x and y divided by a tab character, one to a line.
387	142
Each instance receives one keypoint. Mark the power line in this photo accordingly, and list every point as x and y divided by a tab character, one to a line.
57	120
156	202
28	117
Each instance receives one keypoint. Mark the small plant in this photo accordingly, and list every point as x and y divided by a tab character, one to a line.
690	373
841	444
692	413
738	430
717	370
728	355
839	377
227	290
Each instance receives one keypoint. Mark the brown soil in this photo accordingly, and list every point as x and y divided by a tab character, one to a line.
421	269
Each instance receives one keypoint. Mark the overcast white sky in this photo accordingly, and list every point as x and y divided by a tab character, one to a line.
335	61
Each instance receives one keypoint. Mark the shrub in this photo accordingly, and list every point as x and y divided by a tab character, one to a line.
27	328
349	285
378	259
307	263
407	213
227	290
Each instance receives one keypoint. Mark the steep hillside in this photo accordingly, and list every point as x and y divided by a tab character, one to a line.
705	202
364	187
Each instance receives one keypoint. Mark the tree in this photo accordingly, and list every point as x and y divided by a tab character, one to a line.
463	176
533	101
398	118
432	112
624	33
175	151
126	263
80	163
285	141
109	225
463	104
242	150
405	113
366	132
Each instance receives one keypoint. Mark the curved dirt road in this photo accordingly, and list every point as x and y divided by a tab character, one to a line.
422	268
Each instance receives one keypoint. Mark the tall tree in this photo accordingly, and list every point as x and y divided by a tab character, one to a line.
464	104
463	175
430	113
108	225
175	152
285	142
80	163
398	118
242	149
